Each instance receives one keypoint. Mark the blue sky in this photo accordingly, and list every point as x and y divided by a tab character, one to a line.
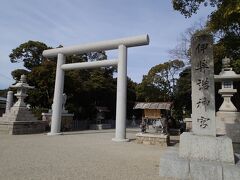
71	22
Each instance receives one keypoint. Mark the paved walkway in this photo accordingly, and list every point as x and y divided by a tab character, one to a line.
79	155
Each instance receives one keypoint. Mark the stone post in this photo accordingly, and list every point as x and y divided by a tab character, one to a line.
9	102
58	98
121	109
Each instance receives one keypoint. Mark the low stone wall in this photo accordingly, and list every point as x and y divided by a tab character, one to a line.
228	123
153	139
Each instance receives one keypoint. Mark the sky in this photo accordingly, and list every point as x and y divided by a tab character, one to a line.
73	22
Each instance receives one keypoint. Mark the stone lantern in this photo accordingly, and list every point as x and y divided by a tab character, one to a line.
227	118
226	77
21	94
18	119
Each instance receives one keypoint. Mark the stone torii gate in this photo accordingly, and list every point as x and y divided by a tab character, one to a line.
121	63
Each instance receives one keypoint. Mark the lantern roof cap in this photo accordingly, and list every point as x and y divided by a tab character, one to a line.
22	83
227	73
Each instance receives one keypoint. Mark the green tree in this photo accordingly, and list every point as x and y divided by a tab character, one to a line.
182	49
224	22
147	92
30	53
42	78
131	97
225	18
89	88
159	83
182	101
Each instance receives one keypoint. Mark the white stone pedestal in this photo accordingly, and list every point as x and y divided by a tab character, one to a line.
172	166
228	123
206	148
200	157
19	120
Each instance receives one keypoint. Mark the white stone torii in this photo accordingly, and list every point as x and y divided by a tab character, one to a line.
121	62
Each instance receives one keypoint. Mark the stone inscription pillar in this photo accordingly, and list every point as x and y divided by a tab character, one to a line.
203	94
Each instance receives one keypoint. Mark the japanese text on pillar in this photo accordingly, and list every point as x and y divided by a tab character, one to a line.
203	83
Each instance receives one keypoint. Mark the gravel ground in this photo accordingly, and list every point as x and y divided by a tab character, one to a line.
77	155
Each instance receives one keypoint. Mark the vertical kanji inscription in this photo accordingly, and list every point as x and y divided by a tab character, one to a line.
203	98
